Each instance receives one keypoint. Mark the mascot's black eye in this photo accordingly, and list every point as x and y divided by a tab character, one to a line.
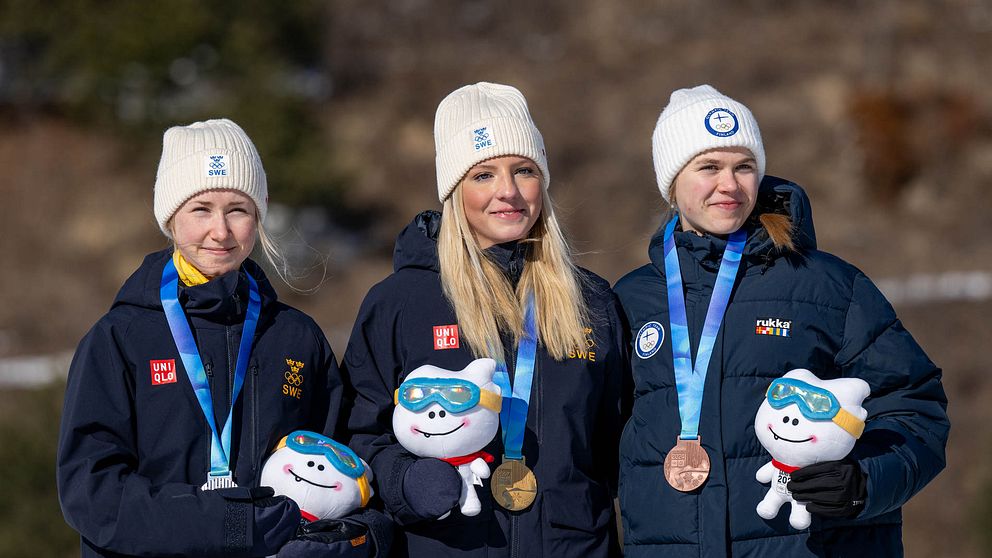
441	414
430	414
795	422
320	467
309	463
785	420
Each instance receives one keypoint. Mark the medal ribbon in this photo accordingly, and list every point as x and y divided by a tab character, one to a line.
220	445
689	378
516	400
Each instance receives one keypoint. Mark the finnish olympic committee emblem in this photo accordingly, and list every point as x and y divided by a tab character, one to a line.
649	339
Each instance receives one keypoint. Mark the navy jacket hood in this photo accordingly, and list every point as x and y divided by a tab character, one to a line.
416	246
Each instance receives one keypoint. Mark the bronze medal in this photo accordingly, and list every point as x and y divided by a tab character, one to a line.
687	466
514	486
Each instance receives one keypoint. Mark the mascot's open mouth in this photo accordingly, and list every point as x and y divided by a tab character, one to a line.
777	437
429	434
301	479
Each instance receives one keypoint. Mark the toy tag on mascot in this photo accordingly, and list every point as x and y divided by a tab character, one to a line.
451	415
805	420
325	478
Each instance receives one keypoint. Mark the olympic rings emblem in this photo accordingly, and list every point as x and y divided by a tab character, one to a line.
293	378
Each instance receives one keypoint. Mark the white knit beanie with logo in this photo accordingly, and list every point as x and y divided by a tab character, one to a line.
479	122
210	155
697	120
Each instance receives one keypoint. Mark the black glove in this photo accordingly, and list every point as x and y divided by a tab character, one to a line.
276	519
328	537
330	530
431	487
835	489
363	534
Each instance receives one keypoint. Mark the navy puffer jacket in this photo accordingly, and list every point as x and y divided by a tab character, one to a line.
839	325
134	446
572	426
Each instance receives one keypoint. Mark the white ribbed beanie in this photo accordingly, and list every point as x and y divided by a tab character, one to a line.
697	120
210	155
479	122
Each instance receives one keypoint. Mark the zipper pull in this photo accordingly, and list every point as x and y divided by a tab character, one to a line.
209	368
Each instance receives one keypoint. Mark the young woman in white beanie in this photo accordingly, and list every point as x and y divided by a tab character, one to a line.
492	276
736	295
178	393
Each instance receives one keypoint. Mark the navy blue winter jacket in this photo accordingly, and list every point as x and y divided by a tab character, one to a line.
572	426
133	452
839	325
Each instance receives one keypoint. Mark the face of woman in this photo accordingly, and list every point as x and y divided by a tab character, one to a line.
716	191
502	199
215	230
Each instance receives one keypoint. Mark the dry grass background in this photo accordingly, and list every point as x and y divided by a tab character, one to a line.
880	109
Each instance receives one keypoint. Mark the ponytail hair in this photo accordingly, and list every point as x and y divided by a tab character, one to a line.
780	229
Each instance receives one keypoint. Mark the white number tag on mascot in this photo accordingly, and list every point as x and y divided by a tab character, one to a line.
451	415
805	420
325	478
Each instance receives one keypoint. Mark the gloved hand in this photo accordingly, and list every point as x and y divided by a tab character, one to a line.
275	520
328	537
366	533
835	489
431	487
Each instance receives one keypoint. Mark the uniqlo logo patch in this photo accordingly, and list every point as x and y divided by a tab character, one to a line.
163	371
445	337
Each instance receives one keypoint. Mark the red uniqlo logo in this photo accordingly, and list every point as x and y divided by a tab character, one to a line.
163	371
445	337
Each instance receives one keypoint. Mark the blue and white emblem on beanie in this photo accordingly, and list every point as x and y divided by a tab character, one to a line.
698	119
722	122
479	122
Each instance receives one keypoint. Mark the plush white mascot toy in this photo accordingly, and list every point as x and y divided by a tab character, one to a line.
325	478
805	420
451	415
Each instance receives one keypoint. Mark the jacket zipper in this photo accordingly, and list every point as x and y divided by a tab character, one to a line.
209	369
254	421
514	543
231	365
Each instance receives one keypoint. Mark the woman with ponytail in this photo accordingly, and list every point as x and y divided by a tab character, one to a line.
483	277
737	252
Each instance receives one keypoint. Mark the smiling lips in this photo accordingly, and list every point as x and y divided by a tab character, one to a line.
429	434
298	478
727	205
508	213
777	437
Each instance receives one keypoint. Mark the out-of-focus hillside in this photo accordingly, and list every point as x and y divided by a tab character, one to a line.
880	109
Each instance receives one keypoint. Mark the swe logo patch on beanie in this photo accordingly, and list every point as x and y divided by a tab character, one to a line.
482	139
216	165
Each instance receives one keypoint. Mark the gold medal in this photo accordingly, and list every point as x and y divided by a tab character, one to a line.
687	466
514	486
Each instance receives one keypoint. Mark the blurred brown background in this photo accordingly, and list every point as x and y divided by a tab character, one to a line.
881	110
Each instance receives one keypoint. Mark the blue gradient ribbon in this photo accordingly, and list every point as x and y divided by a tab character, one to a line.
516	400
220	445
689	378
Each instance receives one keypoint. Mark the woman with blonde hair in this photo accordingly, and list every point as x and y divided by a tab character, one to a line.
492	276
